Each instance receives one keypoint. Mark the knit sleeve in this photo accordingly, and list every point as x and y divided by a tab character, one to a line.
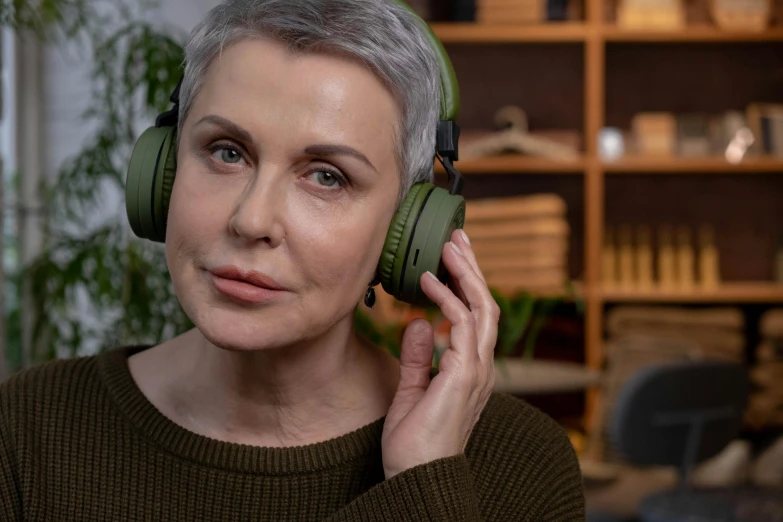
438	491
10	494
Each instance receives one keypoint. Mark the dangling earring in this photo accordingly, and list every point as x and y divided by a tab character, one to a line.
369	297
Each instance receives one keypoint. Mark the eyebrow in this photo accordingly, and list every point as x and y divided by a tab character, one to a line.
338	150
314	150
228	125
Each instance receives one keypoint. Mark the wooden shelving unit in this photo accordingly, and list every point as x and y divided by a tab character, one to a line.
596	47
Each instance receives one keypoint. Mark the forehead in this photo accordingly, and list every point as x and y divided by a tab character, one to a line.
262	86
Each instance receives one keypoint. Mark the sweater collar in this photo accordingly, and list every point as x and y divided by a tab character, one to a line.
173	438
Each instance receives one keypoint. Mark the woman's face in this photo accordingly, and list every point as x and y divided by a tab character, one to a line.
286	170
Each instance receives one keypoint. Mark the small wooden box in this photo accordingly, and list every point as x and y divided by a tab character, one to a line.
655	133
741	15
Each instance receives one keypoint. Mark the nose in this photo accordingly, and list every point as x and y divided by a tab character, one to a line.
258	215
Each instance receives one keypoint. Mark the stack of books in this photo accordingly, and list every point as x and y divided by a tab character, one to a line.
521	243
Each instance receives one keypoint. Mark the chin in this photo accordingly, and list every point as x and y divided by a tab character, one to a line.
243	331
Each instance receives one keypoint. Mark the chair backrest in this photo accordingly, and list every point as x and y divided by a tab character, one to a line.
680	413
625	356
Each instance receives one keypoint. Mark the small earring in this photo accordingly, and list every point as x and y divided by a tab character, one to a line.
369	297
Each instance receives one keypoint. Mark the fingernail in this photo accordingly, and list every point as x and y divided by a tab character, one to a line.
431	275
454	246
464	236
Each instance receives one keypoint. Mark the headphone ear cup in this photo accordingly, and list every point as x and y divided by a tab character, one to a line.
441	215
401	226
419	234
151	173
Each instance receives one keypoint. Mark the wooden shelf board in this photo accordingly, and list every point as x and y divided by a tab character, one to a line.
515	163
678	165
512	290
697	33
563	32
731	292
576	32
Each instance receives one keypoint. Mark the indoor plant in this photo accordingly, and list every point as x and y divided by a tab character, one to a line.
95	285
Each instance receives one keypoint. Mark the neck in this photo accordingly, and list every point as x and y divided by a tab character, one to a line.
288	396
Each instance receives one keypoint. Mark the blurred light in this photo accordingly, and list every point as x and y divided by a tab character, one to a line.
611	145
739	145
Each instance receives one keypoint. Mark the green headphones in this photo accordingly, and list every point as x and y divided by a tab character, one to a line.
421	227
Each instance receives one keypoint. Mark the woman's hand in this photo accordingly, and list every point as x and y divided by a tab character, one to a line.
432	420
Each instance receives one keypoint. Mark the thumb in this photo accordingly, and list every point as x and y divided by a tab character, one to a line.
416	359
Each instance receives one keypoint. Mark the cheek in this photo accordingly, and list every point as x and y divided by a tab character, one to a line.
191	227
196	210
338	244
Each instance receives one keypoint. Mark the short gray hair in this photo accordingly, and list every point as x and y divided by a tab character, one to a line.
384	36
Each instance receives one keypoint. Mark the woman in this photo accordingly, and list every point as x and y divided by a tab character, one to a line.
302	126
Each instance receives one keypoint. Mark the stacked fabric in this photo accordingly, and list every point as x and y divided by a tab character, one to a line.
642	336
720	332
765	408
521	243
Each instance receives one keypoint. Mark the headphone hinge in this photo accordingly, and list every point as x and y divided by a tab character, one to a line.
447	140
171	116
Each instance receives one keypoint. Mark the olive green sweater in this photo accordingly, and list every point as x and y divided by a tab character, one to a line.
79	441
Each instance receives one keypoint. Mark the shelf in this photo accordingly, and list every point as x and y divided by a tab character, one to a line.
467	32
690	34
734	292
575	32
678	165
515	164
576	293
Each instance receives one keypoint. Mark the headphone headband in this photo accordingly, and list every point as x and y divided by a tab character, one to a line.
449	88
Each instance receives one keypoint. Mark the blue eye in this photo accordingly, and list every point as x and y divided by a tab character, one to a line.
327	178
228	155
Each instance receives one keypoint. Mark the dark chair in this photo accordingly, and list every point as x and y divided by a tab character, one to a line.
681	414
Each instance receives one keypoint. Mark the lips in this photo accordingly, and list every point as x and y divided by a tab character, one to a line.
247	287
251	277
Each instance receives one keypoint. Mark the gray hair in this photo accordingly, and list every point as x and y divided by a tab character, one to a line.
385	37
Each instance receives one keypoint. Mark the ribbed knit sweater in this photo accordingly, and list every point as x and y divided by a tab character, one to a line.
80	441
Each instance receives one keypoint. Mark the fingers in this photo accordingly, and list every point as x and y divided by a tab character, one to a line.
460	238
468	253
463	322
416	357
477	296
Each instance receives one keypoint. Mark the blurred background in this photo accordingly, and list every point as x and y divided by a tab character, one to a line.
624	177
